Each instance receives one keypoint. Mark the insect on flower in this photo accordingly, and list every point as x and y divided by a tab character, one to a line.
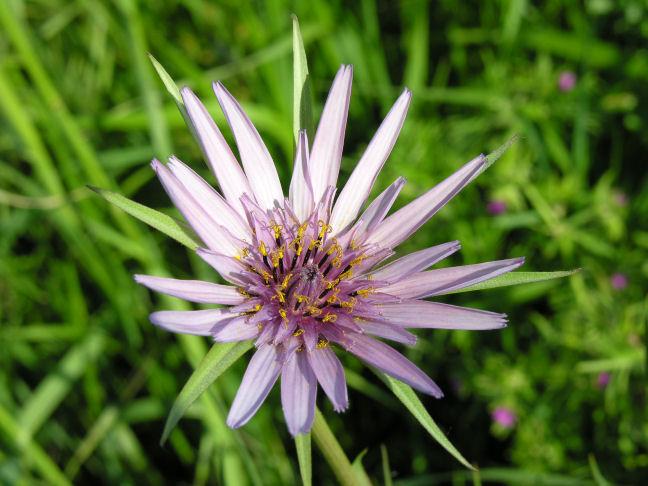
309	271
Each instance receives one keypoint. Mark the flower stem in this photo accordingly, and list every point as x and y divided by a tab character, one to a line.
332	451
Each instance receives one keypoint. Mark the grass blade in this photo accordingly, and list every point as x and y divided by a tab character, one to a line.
406	395
160	221
302	102
332	451
516	278
220	357
303	446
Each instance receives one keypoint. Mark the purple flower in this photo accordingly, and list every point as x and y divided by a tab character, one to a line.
566	81
496	207
603	379
620	199
309	271
619	281
504	417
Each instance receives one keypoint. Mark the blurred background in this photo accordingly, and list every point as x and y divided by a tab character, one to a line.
557	398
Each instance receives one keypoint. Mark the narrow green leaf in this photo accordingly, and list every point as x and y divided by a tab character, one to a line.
304	457
360	472
497	153
173	90
216	361
177	230
385	465
332	451
516	278
406	395
302	103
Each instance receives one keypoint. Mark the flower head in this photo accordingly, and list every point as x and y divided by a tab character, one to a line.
566	81
496	206
619	281
308	272
504	417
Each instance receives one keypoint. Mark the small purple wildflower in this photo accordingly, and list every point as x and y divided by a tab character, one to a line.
304	270
603	379
619	281
496	207
566	81
504	416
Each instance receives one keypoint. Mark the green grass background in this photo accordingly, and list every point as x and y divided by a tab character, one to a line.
86	382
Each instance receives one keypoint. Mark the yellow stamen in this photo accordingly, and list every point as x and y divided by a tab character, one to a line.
262	249
322	343
330	318
298	332
282	313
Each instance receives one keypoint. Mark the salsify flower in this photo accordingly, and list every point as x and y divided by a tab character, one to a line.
308	272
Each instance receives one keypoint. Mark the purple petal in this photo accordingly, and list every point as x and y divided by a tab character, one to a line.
415	262
389	361
330	374
389	331
223	164
199	322
378	209
326	152
193	290
301	189
298	392
212	202
357	189
261	374
229	268
424	314
397	227
199	219
256	159
444	280
236	329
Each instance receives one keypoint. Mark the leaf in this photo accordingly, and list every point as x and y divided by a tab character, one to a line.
177	230
360	472
497	153
332	451
302	103
216	361
303	446
516	278
406	395
173	90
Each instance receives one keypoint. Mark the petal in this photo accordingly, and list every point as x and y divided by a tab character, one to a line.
256	159
424	314
199	322
221	160
212	202
229	268
390	361
389	331
326	152
330	374
357	189
298	392
301	189
236	329
397	227
199	219
415	262
378	209
444	280
261	374
193	290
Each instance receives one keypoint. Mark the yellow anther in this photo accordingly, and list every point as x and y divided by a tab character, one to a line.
315	243
298	244
313	311
298	332
277	228
330	284
334	297
322	343
336	262
350	304
246	252
266	276
303	298
286	279
302	228
282	313
347	274
330	318
280	295
358	260
325	228
262	249
243	292
365	292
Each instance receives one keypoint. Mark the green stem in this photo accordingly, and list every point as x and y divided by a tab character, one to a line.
332	451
